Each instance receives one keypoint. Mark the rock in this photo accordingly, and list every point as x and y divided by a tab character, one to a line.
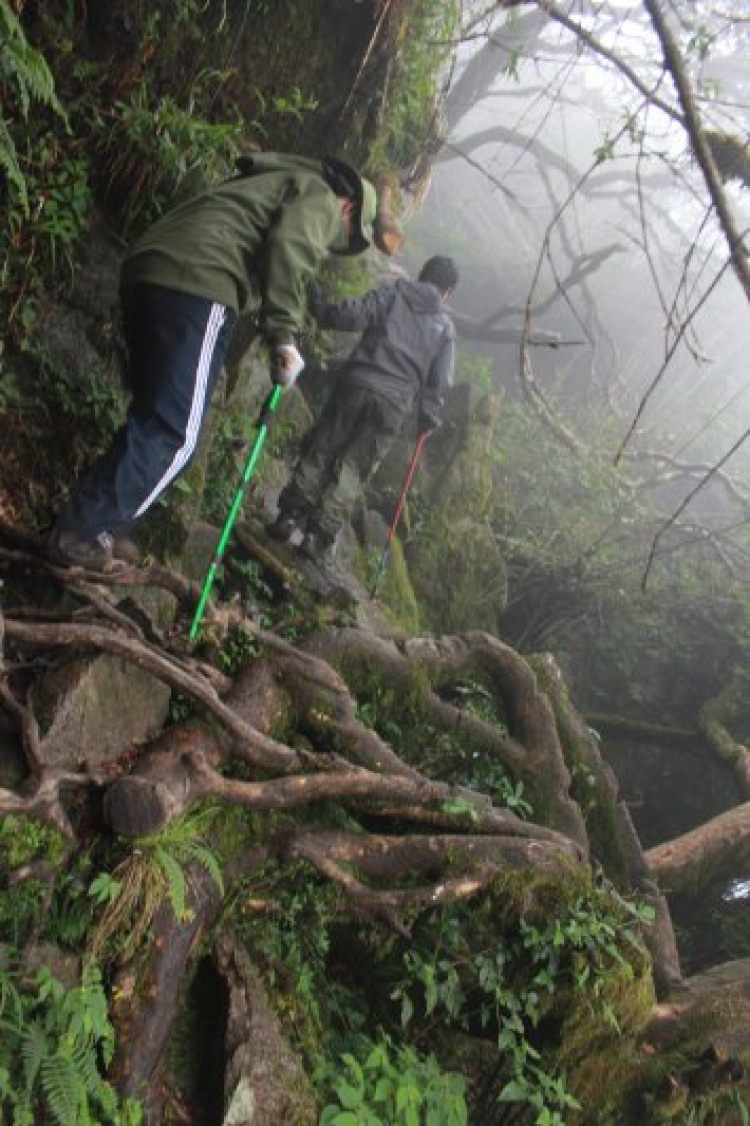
91	710
371	529
198	550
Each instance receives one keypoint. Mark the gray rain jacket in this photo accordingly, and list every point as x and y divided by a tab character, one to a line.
407	349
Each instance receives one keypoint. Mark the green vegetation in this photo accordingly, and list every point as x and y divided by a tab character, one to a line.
502	981
157	152
54	1041
529	998
154	871
25	841
386	1085
425	40
25	78
585	953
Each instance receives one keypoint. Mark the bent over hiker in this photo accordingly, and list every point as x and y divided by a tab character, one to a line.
258	238
405	355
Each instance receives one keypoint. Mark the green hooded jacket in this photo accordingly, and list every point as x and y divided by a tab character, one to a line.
255	239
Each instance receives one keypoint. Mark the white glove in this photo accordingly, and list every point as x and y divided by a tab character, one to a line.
286	364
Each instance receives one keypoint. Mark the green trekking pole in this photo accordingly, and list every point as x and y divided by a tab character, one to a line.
264	421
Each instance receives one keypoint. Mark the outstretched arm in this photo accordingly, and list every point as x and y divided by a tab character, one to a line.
353	315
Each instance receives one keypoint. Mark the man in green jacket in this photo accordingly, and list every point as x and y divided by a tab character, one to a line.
258	238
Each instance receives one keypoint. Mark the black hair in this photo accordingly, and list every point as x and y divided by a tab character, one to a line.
441	271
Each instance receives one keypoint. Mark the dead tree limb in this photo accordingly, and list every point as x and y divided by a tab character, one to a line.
612	57
715	851
264	1082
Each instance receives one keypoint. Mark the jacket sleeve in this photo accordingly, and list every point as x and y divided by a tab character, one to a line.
439	379
307	224
355	314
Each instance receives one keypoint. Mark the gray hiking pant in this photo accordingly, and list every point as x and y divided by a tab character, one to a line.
339	455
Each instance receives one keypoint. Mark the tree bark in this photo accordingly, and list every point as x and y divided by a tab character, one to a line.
718	850
264	1083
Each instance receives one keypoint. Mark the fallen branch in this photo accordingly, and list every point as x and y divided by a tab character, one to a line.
716	851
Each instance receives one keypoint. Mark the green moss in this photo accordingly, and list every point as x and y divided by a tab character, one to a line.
396	592
598	1047
235	829
588	782
25	839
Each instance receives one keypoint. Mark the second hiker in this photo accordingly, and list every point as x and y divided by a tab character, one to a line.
404	356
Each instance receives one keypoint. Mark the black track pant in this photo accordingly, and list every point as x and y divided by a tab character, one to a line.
176	346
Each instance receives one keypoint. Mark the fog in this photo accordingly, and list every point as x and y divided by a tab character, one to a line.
632	253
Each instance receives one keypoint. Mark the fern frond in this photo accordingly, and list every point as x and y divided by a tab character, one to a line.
175	881
10	26
63	1089
10	998
85	1062
22	68
34	1050
11	1035
26	77
9	164
203	855
85	1008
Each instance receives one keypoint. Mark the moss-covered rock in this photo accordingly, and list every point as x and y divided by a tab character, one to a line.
455	565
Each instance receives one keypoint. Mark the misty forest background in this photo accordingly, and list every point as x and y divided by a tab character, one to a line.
474	850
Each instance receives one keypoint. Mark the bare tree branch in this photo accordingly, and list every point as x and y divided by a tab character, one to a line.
599	49
700	145
693	493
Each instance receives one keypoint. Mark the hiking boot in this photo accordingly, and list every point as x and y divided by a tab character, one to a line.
95	554
282	528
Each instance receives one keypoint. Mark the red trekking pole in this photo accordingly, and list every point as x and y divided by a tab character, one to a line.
399	509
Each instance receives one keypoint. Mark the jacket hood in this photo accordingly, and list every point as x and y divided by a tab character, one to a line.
421	297
258	162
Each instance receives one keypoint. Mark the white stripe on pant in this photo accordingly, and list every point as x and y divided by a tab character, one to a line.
182	456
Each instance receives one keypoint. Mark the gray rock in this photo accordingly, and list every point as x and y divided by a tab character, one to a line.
198	550
91	710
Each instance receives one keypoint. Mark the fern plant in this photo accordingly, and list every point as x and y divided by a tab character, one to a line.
153	872
53	1043
24	77
155	151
